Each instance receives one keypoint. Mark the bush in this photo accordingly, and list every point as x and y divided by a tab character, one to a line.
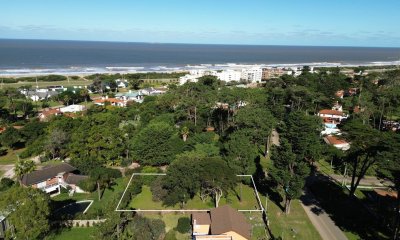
147	180
183	225
3	151
88	185
171	235
6	183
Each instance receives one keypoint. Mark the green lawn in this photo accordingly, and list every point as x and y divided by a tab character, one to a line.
75	234
108	199
11	156
144	201
171	221
296	225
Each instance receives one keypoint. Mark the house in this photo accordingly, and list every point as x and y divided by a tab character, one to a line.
121	83
112	101
39	94
221	223
47	113
73	179
152	91
130	96
50	179
332	114
72	108
336	142
330	127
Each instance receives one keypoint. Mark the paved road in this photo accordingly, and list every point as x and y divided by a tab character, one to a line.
320	219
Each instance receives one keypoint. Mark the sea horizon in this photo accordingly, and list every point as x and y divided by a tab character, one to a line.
22	57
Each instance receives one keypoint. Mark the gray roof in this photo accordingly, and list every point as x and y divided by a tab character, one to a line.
74	178
46	173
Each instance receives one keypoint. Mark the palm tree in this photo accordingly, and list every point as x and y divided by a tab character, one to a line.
185	132
23	167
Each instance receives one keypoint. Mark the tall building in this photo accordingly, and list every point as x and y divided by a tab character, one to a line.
228	75
253	74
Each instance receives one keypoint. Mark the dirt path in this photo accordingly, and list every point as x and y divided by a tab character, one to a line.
8	171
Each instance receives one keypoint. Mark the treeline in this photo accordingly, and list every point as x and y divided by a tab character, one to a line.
47	78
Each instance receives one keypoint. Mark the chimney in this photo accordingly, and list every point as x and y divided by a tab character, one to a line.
107	97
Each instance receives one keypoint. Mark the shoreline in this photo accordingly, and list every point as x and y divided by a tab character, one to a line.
85	71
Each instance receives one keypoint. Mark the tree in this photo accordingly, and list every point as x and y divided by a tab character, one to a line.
23	166
217	179
10	137
135	83
104	178
156	144
367	148
185	133
288	172
56	143
241	153
259	122
303	133
29	212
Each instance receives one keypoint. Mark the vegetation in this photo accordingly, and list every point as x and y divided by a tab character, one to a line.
203	134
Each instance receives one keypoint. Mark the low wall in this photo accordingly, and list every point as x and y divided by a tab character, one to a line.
80	223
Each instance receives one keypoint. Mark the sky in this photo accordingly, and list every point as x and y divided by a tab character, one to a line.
259	22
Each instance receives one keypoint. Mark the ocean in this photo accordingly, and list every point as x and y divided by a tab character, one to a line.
21	57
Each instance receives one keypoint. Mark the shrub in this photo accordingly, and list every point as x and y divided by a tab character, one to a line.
3	151
6	183
171	235
183	225
88	185
147	180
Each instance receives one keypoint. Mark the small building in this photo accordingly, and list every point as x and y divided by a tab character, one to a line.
332	114
47	114
72	108
51	178
112	101
221	223
336	142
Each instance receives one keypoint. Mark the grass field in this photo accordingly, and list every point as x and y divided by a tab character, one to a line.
143	201
45	84
75	234
11	156
296	225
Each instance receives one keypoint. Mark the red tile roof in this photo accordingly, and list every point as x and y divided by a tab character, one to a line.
334	140
331	112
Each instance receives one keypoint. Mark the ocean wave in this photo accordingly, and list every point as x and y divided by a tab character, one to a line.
76	70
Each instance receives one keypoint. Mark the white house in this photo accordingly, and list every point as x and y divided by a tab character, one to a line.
50	179
332	114
72	108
